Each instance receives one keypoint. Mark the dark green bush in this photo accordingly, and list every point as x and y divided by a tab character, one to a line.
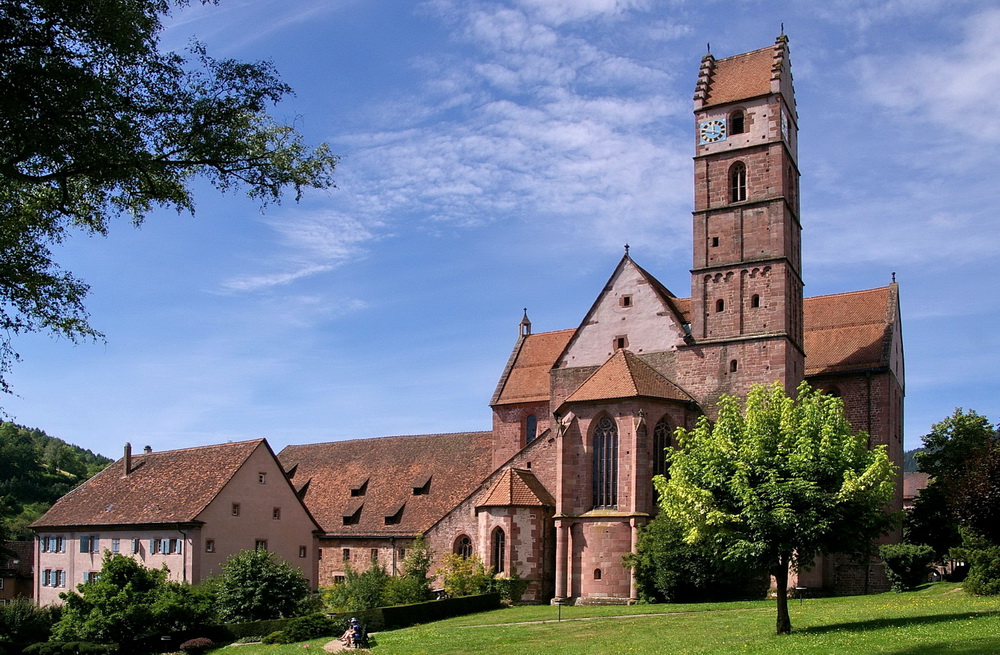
984	571
906	565
310	627
23	622
277	637
70	648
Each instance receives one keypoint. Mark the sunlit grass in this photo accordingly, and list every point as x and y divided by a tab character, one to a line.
938	618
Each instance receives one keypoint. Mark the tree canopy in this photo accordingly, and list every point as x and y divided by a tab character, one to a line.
953	442
776	483
256	585
97	122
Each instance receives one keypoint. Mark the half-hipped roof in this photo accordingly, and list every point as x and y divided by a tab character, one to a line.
172	486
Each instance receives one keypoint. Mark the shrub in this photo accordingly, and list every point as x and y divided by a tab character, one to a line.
23	622
310	627
510	588
464	576
906	565
277	637
984	571
70	648
197	645
358	591
257	585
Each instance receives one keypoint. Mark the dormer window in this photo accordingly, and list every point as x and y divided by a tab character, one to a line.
422	485
360	488
352	513
395	514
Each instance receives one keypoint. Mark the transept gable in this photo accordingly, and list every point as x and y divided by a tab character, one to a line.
634	311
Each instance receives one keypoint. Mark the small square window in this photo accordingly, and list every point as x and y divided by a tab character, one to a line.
337	579
302	551
236	509
621	342
260	544
626	301
210	545
715	242
276	513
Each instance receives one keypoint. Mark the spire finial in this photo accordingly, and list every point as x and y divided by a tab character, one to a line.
708	48
626	250
894	276
524	329
782	29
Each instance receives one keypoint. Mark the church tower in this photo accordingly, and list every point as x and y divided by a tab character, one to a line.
746	280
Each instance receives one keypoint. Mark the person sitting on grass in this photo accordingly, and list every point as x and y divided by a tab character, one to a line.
352	630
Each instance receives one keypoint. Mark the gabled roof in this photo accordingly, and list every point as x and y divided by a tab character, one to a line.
527	376
740	77
849	331
625	375
518	488
21	563
172	486
455	464
914	482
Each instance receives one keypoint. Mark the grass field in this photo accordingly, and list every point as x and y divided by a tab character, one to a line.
938	618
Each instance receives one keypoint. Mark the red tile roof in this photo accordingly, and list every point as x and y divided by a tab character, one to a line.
625	375
454	463
518	488
528	378
172	486
913	483
849	331
743	76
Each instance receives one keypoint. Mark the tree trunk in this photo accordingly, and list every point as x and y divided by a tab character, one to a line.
783	625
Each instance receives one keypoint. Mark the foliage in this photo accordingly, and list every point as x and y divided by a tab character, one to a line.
953	442
464	576
932	521
70	648
197	645
775	486
255	585
358	591
304	628
906	565
669	569
99	123
35	471
511	587
910	460
975	495
23	622
125	603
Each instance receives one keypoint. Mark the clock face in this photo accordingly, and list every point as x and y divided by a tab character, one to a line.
784	125
712	131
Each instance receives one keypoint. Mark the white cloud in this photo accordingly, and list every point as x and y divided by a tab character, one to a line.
950	86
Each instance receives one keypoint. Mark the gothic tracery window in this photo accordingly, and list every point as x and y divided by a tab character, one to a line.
606	464
463	547
498	550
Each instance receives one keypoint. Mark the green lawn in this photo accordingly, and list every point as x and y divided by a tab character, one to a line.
938	618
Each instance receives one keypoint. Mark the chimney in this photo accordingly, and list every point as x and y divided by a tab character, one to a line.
128	458
147	450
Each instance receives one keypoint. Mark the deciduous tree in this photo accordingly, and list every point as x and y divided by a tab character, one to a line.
97	122
778	483
256	585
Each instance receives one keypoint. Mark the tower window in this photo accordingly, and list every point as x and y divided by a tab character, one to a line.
733	366
530	428
736	122
755	301
621	342
738	182
606	464
715	242
597	574
720	305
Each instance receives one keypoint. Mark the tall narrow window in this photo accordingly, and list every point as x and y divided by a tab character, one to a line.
661	441
733	366
499	550
530	428
755	301
606	463
738	182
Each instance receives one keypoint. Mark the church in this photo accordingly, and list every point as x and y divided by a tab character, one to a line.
560	487
558	490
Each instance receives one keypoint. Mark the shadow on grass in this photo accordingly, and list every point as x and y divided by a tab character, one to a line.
902	622
984	646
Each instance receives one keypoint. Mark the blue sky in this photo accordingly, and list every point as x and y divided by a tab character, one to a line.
498	155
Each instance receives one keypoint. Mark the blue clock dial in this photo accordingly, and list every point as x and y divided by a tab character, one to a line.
712	131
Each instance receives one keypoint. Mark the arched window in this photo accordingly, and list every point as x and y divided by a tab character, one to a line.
597	574
738	182
498	551
606	463
833	391
720	305
736	122
755	301
733	366
463	547
530	428
661	441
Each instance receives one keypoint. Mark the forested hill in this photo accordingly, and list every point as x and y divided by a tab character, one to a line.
35	471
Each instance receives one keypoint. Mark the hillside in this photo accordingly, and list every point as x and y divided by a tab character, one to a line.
35	471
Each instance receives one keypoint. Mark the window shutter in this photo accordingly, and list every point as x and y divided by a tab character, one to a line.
153	546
